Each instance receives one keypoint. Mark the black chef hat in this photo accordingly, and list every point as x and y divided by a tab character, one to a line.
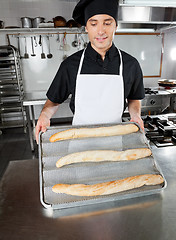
85	9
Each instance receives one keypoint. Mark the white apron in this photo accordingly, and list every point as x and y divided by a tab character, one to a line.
99	98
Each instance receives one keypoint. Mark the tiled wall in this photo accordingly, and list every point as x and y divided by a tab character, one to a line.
12	10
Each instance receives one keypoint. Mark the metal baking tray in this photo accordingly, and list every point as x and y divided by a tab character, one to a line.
91	173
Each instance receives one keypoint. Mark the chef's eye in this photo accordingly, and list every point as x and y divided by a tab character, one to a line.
93	24
108	23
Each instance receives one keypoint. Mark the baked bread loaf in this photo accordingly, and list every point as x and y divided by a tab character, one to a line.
94	132
103	155
108	187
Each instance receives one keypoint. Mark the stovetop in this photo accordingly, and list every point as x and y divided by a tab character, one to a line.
161	129
151	91
159	91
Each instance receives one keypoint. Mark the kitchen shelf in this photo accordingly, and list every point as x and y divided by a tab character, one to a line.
58	29
14	124
12	112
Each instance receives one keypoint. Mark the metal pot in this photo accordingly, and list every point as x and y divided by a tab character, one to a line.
36	21
1	24
26	22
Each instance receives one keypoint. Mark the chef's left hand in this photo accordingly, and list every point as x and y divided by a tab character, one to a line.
138	120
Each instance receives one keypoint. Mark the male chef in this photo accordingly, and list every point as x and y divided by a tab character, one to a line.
99	78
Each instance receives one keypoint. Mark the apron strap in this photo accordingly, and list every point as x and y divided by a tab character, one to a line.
81	62
121	63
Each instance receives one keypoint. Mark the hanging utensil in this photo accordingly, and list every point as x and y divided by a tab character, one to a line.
32	44
19	49
79	41
62	44
41	42
35	40
49	55
58	40
75	42
84	42
26	55
66	46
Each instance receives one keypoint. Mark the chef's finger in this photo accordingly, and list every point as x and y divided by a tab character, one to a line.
37	130
43	129
140	122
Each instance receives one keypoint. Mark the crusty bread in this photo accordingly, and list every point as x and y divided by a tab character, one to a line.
94	132
103	155
108	187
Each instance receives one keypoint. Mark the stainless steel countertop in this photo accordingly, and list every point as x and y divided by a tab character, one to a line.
39	97
23	217
34	98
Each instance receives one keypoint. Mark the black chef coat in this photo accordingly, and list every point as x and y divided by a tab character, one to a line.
64	82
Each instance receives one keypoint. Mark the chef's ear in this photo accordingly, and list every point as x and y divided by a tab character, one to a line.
115	29
86	29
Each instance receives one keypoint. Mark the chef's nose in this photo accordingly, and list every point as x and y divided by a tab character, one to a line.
101	29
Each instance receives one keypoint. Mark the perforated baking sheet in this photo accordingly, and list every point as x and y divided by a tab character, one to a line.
91	173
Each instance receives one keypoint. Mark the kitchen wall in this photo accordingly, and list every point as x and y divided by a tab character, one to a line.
12	10
169	61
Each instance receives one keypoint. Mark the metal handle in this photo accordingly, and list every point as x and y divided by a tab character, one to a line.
33	54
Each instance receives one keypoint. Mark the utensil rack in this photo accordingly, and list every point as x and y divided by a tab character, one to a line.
12	113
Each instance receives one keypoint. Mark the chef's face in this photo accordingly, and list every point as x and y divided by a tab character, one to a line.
101	29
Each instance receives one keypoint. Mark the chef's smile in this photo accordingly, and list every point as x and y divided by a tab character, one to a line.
101	39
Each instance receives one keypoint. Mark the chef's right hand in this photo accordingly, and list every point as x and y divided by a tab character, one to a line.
42	124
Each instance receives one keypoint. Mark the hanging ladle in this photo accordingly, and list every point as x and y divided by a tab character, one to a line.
49	55
41	44
26	55
32	54
75	42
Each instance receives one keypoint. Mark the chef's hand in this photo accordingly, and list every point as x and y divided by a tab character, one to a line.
134	107
48	111
42	124
138	120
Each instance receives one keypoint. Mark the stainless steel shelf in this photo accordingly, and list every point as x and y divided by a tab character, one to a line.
11	88
6	71
9	81
11	124
7	58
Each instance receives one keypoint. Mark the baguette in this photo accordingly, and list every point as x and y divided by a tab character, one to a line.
108	187
94	132
103	155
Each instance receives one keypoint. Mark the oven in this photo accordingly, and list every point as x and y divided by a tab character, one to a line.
156	101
